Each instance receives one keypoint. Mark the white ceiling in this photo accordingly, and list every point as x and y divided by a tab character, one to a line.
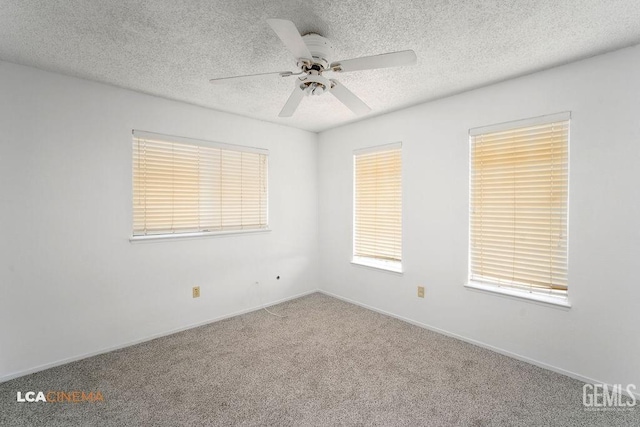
172	48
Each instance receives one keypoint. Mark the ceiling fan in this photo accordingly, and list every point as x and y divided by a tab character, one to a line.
312	53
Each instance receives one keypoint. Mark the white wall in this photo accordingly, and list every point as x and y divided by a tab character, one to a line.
598	337
71	283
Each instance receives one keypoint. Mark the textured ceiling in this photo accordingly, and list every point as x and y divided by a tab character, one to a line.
172	48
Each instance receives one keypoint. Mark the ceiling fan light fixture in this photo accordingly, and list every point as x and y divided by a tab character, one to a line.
315	83
320	48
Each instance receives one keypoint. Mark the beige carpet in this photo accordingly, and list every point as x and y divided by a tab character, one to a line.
327	363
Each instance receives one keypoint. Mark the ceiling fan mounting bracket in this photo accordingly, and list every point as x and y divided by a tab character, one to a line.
304	63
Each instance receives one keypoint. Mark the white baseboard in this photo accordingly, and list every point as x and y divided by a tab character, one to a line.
148	338
507	353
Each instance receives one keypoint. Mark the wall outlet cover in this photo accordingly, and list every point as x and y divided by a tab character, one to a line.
420	291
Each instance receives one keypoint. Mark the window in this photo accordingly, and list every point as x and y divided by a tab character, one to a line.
518	201
188	187
377	240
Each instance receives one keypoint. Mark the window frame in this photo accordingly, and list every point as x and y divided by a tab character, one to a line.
532	294
390	266
143	238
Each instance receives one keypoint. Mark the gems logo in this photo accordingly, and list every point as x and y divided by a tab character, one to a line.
603	397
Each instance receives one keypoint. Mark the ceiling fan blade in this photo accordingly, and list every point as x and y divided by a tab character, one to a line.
292	103
393	59
348	98
281	73
290	36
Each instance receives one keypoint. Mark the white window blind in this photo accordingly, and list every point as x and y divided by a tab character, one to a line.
519	187
187	186
378	203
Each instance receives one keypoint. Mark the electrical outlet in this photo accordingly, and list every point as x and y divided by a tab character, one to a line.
196	291
420	291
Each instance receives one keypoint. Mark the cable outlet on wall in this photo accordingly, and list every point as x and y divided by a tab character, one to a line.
196	291
420	291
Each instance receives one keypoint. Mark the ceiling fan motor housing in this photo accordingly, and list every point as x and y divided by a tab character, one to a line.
320	49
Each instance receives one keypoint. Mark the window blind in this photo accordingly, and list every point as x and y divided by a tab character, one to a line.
186	186
378	203
519	187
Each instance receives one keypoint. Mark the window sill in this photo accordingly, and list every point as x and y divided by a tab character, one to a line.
388	266
188	236
516	293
